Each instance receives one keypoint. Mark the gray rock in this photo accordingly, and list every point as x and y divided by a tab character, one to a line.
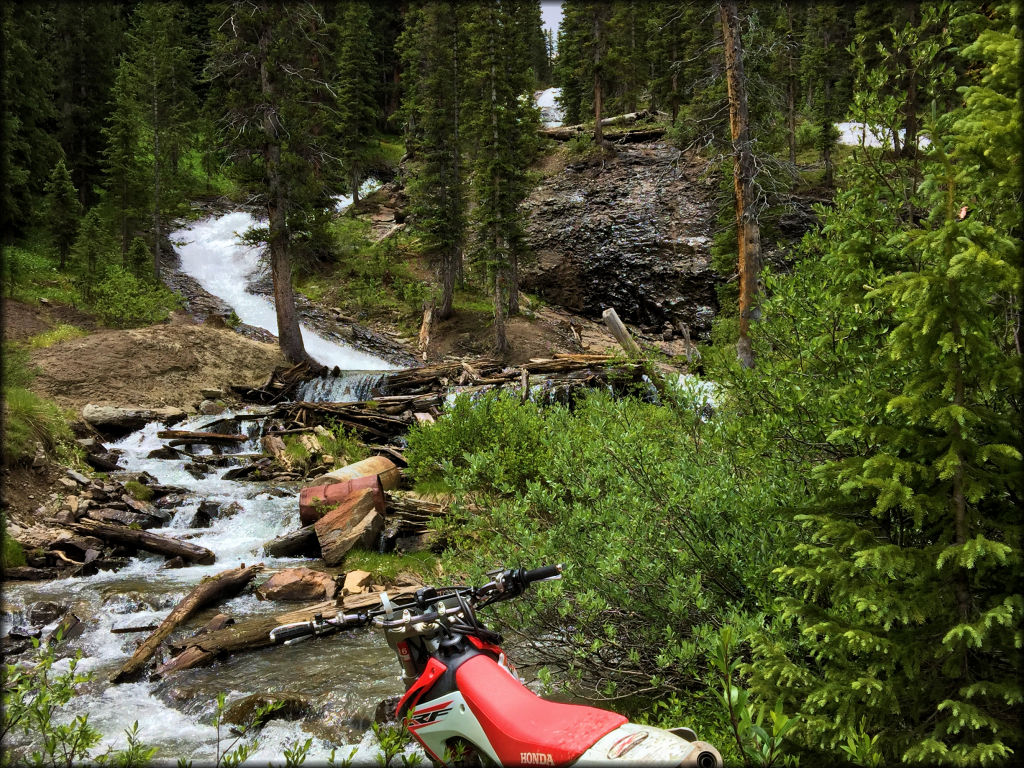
211	408
117	420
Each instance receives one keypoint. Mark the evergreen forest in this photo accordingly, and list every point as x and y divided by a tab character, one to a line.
808	548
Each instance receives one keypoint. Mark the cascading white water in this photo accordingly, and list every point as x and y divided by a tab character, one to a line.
343	676
210	251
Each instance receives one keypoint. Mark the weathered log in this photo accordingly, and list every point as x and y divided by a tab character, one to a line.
300	543
380	466
255	633
129	630
425	328
225	584
151	542
184	436
28	573
618	330
354	521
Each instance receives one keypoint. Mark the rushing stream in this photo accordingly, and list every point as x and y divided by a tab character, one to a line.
343	677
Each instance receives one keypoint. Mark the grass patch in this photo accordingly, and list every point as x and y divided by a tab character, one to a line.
30	419
386	567
139	491
11	555
31	274
62	332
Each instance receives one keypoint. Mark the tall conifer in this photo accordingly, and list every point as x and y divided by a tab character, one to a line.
63	211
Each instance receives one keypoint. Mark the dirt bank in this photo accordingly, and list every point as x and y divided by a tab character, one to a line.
150	367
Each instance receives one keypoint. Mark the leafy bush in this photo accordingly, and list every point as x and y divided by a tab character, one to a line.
659	515
123	300
33	696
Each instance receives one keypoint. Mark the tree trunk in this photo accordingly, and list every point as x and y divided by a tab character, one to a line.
289	336
224	584
500	338
513	283
156	179
151	542
598	133
790	86
749	236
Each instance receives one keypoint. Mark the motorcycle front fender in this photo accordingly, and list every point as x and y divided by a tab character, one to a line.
644	745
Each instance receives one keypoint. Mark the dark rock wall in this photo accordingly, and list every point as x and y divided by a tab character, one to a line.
633	234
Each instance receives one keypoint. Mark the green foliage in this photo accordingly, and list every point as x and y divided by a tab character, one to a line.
12	554
385	568
33	697
139	260
63	210
31	273
30	420
57	334
138	490
124	301
641	501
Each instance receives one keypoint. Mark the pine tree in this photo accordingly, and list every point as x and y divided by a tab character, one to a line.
502	121
906	590
123	157
433	52
83	44
160	78
354	104
266	53
28	148
139	259
571	71
90	250
63	210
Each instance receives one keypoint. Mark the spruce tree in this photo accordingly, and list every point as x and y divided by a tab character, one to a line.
502	121
906	590
139	259
63	211
123	157
433	53
161	79
90	250
354	104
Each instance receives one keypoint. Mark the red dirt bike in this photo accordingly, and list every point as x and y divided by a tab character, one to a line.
464	696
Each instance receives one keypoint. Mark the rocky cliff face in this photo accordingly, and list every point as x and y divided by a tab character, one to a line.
633	233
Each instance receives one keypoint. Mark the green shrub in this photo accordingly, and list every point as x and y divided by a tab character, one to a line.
125	301
343	444
12	555
663	541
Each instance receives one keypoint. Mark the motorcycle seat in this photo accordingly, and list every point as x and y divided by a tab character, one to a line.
521	726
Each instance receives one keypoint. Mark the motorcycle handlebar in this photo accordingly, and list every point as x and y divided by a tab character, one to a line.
543	573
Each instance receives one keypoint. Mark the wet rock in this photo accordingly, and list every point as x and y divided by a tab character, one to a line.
292	707
69	628
114	420
386	710
198	471
201	519
45	612
122	517
211	408
230	509
298	584
166	452
172	500
174	562
632	233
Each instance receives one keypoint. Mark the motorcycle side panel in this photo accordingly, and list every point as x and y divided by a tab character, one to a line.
637	745
434	722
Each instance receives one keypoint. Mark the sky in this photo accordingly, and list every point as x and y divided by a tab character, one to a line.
551	15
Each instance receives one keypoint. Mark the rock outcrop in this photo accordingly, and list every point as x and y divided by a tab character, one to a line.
633	233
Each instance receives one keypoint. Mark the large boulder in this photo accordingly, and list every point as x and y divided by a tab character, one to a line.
114	420
355	521
317	500
298	584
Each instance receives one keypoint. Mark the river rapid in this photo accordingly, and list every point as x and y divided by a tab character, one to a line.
342	677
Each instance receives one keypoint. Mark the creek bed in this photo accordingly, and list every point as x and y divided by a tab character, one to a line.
342	677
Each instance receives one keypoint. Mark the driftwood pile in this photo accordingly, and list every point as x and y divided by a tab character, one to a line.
626	135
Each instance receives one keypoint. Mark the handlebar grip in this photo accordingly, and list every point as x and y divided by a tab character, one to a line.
287	632
544	572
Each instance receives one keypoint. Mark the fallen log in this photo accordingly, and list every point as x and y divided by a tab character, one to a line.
184	436
225	584
255	633
129	630
151	542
